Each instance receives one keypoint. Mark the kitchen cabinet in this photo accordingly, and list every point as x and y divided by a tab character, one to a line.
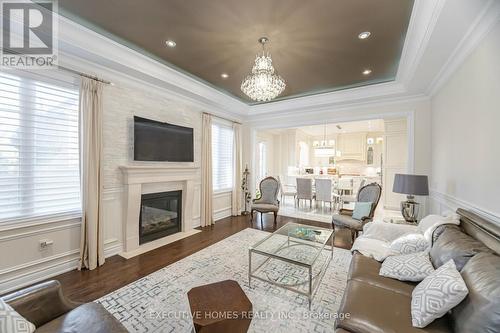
352	146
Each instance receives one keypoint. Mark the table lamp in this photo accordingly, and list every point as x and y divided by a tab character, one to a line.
410	185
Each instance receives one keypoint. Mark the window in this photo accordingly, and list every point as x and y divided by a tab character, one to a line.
222	157
39	149
303	154
262	161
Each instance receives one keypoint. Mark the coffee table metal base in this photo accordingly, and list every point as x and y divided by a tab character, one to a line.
313	282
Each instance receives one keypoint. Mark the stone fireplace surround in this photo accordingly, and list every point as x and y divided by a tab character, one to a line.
140	180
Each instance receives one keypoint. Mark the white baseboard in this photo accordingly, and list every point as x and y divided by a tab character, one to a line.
441	202
26	274
222	213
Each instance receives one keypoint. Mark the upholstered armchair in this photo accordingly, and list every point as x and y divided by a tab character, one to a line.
268	201
368	193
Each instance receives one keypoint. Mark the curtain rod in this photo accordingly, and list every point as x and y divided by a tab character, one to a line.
76	72
213	115
84	75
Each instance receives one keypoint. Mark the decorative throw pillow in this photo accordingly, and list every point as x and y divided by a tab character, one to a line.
361	209
409	243
438	293
407	267
13	322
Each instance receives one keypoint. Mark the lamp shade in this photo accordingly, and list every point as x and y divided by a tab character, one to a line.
411	184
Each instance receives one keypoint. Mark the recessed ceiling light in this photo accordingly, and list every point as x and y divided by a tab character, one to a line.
224	75
367	71
364	35
170	43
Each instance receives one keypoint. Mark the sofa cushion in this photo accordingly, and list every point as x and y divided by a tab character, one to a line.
480	311
377	310
89	317
367	270
457	245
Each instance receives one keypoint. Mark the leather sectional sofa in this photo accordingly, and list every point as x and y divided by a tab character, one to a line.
377	304
45	306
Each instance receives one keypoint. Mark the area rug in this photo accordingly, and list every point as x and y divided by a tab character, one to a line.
159	303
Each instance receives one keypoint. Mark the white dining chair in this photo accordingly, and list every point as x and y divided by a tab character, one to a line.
287	191
305	190
324	191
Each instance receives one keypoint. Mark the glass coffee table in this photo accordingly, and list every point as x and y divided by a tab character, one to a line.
294	257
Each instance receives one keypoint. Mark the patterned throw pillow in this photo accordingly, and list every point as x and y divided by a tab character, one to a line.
13	322
437	294
407	267
409	243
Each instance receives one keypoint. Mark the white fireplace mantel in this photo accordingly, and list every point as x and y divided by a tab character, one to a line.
137	180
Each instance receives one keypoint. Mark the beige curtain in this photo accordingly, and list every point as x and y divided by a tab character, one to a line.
92	242
206	172
236	194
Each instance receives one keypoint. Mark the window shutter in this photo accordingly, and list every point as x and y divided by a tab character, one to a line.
39	149
222	157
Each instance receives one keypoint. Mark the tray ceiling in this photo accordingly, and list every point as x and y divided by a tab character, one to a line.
314	43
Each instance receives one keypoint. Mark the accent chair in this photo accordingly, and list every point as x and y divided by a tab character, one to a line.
268	201
368	193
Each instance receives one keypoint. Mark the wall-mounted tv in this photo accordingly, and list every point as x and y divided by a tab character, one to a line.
162	142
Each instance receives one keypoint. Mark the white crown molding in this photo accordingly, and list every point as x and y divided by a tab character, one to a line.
482	25
83	48
328	113
423	20
77	42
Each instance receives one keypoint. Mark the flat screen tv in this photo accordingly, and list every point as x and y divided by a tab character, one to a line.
162	142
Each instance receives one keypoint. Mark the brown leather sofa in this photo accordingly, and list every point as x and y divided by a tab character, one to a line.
376	304
45	306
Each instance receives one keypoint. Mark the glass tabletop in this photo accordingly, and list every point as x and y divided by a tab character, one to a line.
295	242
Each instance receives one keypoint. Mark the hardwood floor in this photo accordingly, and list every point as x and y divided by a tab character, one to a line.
86	286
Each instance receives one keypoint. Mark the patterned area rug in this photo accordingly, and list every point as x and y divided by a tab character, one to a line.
158	302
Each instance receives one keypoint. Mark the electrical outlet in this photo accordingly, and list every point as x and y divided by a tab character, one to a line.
45	243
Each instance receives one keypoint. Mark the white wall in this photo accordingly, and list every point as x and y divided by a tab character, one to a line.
465	134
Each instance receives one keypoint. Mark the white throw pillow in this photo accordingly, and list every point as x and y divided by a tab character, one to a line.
437	294
410	243
407	267
13	322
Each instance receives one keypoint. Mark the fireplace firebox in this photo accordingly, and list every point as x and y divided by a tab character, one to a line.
161	215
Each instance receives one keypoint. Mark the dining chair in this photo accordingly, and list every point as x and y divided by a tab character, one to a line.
304	190
352	197
324	190
285	191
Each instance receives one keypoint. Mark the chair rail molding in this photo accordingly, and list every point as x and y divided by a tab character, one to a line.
448	202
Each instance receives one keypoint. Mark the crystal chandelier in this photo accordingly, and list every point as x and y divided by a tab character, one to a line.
263	84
